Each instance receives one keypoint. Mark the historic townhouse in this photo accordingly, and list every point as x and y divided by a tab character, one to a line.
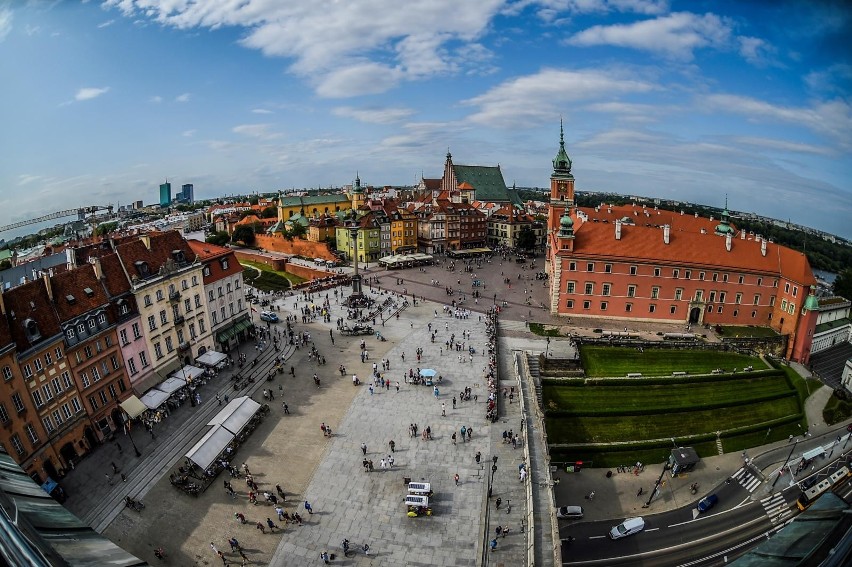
164	273
369	237
56	428
506	223
403	228
223	287
88	322
635	263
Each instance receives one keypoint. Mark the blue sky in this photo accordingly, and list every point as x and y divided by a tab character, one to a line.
101	101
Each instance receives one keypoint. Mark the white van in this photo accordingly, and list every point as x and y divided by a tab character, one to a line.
628	527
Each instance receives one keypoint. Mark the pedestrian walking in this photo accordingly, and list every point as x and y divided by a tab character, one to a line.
641	490
261	527
280	511
366	549
108	478
364	448
214	548
493	544
222	557
443	409
308	507
272	525
286	408
478	457
392	446
454	437
591	495
324	557
235	545
498	502
456	478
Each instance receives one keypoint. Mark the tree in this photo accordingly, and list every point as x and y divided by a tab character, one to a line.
526	238
218	238
243	233
253	200
5	264
105	228
269	213
843	284
298	230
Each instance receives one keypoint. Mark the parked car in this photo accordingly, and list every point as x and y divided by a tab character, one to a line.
268	316
707	502
628	527
570	512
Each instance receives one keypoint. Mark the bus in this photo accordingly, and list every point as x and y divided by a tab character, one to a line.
833	481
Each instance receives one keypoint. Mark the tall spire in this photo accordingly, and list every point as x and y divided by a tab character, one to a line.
562	163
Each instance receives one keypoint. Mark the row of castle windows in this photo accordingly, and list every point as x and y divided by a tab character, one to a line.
702	276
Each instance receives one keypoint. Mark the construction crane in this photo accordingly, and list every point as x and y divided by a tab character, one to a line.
80	212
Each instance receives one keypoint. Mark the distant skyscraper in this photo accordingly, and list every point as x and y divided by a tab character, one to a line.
165	194
186	193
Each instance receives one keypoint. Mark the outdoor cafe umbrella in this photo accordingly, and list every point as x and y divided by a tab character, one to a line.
428	373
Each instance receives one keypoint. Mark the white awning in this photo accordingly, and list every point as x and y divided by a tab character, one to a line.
170	385
236	414
154	398
211	358
210	446
187	373
134	407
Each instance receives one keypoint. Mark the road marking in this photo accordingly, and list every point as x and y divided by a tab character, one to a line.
746	479
699	518
597	537
776	508
652	529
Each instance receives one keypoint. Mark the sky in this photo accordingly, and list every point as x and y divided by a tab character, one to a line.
697	101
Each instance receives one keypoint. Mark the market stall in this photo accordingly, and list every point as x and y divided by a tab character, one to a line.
212	359
209	447
133	407
154	398
188	373
237	414
171	385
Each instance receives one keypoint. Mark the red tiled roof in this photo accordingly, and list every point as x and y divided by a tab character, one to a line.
162	245
76	283
210	255
29	301
687	245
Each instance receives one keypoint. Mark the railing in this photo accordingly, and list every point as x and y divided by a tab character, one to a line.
174	295
179	320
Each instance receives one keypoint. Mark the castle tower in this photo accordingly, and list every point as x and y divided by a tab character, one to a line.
561	186
357	193
800	350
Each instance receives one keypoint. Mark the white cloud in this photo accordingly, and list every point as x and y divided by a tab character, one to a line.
676	35
784	145
156	99
541	97
25	178
374	115
832	118
387	40
358	79
261	111
183	97
834	79
5	22
188	133
259	131
755	50
106	24
88	93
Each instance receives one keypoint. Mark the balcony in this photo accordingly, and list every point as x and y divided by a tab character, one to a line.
174	295
183	347
179	320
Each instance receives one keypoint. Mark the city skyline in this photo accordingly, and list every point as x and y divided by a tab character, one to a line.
683	101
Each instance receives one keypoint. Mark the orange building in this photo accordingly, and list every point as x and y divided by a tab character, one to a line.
637	263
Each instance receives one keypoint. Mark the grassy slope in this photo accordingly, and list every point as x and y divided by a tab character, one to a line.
619	361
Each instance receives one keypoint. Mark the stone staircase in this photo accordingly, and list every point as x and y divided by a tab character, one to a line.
532	364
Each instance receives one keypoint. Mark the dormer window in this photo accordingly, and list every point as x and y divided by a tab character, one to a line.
142	268
31	328
70	299
89	292
81	328
92	323
69	334
179	256
206	271
102	319
224	263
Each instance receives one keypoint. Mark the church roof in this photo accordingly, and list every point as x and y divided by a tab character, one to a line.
487	181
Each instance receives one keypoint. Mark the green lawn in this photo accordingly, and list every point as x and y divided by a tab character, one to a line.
670	423
619	361
626	398
269	279
538	329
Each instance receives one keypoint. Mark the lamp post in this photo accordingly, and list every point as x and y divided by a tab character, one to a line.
130	435
657	485
493	470
781	470
547	348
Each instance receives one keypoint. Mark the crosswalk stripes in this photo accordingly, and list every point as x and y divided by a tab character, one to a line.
747	479
776	508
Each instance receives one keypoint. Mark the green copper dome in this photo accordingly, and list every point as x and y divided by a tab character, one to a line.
561	163
566	221
811	303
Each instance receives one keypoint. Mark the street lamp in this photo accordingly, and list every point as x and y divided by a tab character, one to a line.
130	435
547	348
352	226
657	485
493	470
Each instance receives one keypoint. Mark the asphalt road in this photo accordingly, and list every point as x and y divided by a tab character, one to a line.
684	537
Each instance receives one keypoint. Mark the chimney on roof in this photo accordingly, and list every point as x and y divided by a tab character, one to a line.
96	265
763	247
666	233
618	229
70	257
742	235
729	241
696	215
46	277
